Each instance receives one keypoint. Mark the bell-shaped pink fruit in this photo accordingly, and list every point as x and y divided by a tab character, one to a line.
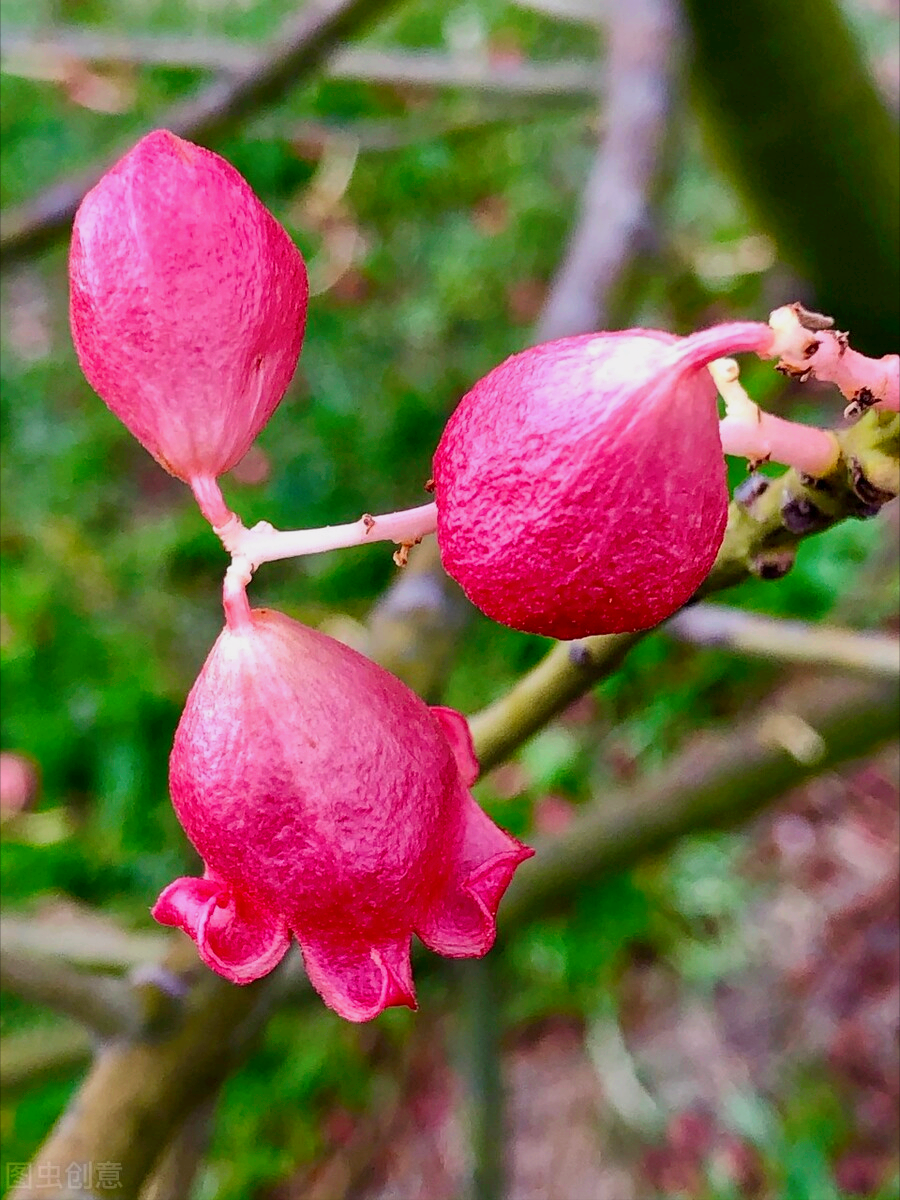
328	802
188	304
580	486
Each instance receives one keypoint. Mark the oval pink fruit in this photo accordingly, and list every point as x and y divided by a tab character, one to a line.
580	486
188	304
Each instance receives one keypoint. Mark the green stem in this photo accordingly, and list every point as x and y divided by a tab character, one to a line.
484	1086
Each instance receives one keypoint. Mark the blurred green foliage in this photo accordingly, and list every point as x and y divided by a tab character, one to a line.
111	577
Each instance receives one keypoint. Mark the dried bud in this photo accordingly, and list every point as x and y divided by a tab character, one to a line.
328	802
799	515
580	486
751	489
188	304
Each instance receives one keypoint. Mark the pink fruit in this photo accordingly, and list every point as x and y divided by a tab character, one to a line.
188	304
580	486
328	802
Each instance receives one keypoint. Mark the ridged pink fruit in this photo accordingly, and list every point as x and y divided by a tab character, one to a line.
328	802
580	486
188	304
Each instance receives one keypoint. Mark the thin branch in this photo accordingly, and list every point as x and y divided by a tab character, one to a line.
422	69
30	1058
565	673
583	12
304	43
479	1017
139	1092
615	207
50	55
43	53
86	942
263	543
100	1003
722	780
784	641
314	138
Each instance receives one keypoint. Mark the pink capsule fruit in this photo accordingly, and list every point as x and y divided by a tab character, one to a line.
187	303
331	804
580	485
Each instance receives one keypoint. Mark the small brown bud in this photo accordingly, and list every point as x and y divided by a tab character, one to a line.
773	564
800	515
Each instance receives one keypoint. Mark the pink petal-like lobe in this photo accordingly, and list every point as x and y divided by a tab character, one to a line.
359	982
234	939
187	303
459	735
463	924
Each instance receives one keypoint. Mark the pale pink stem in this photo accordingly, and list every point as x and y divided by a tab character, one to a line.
811	450
748	432
825	354
212	504
234	595
263	543
731	337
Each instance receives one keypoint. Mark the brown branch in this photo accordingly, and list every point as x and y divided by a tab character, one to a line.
30	1058
301	47
139	1091
173	1178
83	941
51	56
723	780
314	138
102	1004
615	207
784	641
